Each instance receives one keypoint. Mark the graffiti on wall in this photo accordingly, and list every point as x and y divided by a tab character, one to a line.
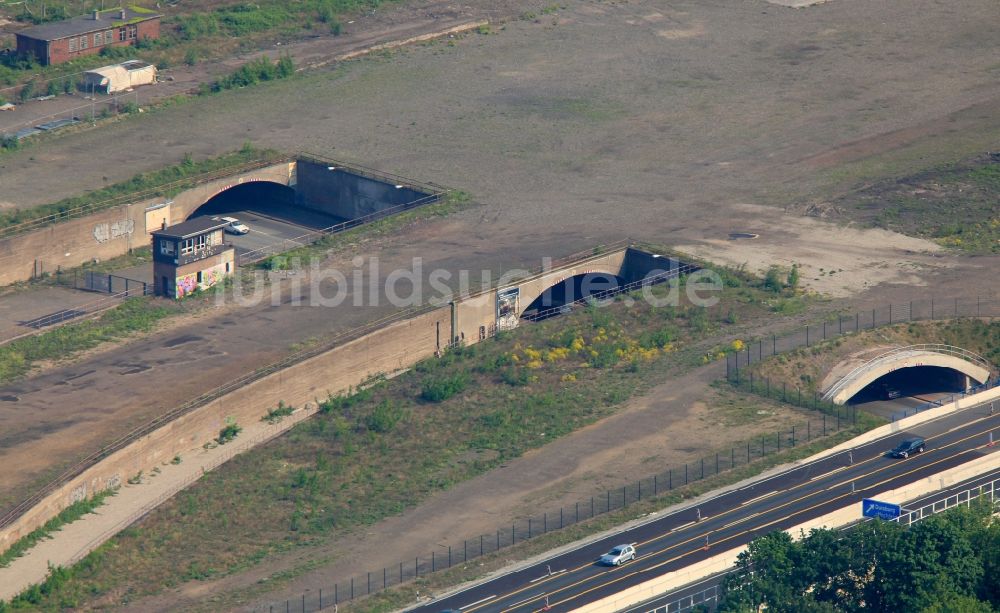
104	232
189	283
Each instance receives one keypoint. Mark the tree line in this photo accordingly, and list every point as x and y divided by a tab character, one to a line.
948	563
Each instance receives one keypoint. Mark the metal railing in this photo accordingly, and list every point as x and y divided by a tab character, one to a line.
674	273
287	244
709	597
541	523
185	183
124	440
907	351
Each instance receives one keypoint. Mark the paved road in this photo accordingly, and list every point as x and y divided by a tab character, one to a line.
731	519
704	590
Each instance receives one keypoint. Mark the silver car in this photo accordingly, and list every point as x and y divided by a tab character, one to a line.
619	555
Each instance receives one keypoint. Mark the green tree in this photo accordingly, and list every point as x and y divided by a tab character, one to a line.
954	603
772	280
793	277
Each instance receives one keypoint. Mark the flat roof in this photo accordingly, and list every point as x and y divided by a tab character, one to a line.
84	24
191	227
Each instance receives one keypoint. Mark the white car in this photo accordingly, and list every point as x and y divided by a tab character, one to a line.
235	226
619	555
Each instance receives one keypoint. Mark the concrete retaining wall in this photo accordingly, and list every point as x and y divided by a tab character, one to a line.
113	232
347	195
387	350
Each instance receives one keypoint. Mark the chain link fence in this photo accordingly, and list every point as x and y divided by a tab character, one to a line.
533	526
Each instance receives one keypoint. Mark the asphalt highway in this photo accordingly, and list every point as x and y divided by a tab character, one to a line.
673	541
705	588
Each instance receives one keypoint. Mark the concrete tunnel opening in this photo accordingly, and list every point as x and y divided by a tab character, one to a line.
557	300
266	199
912	382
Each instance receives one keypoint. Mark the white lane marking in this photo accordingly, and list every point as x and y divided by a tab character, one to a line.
682	526
758	498
520	602
472	604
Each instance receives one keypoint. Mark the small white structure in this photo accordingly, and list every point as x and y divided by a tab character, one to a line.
119	77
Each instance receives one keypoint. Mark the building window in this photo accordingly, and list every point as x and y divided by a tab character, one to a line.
133	32
167	247
72	45
83	43
228	269
98	39
109	37
200	242
121	34
187	246
199	278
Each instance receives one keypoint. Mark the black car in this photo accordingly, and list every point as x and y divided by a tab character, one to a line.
908	447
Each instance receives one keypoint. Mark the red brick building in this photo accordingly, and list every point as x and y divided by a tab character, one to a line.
54	43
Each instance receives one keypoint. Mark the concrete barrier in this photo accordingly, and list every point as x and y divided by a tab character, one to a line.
906	423
835	519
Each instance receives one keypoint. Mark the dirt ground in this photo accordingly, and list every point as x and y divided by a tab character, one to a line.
673	123
677	422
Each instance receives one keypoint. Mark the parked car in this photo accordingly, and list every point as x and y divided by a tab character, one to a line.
619	555
908	447
235	226
890	393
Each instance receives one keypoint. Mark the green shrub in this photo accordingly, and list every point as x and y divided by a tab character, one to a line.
273	416
229	432
439	389
515	377
384	417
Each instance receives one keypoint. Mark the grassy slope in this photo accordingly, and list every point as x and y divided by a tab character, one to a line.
806	367
955	205
329	475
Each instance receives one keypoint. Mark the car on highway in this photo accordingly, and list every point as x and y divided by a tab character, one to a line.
235	226
619	555
908	447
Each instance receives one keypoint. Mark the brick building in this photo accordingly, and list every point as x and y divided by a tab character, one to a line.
62	41
190	256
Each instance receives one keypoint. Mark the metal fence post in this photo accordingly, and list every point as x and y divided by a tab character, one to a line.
449	556
433	561
703	468
807	335
685	473
670	479
793	435
352	588
748	452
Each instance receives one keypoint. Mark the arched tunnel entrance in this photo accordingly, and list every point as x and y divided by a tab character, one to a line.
559	298
902	391
268	214
248	201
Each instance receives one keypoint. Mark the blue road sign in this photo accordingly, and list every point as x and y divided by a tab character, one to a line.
881	510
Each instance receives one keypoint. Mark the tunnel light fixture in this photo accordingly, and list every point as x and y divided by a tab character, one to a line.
331	168
399	187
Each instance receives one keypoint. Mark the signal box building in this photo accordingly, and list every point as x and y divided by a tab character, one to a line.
190	256
62	41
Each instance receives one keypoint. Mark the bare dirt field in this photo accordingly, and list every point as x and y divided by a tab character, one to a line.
674	123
